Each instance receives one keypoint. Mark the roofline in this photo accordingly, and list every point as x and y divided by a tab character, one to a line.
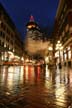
61	2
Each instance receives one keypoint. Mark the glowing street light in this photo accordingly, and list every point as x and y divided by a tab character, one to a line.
50	48
59	47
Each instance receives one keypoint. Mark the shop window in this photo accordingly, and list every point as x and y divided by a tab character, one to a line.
69	54
65	56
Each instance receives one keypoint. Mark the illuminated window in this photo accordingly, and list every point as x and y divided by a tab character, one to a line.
65	56
69	54
68	48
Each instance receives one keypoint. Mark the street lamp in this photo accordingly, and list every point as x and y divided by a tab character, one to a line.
49	55
59	47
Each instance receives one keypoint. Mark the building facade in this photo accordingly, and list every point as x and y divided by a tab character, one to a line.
33	37
63	33
36	44
11	46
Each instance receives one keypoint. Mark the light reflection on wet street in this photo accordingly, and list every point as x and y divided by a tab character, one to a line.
35	87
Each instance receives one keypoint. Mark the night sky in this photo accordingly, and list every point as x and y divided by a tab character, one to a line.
44	12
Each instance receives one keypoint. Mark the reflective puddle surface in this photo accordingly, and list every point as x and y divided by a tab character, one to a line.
35	87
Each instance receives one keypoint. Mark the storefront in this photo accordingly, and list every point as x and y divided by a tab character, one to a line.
67	56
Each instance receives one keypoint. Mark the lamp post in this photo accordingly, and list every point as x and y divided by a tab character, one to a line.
59	47
49	56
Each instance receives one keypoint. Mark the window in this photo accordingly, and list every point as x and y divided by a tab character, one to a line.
65	7
3	26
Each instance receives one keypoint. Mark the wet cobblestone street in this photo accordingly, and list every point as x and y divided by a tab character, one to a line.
35	87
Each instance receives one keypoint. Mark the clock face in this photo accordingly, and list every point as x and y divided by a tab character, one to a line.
31	26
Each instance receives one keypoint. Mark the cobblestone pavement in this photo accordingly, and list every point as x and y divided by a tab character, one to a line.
35	87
